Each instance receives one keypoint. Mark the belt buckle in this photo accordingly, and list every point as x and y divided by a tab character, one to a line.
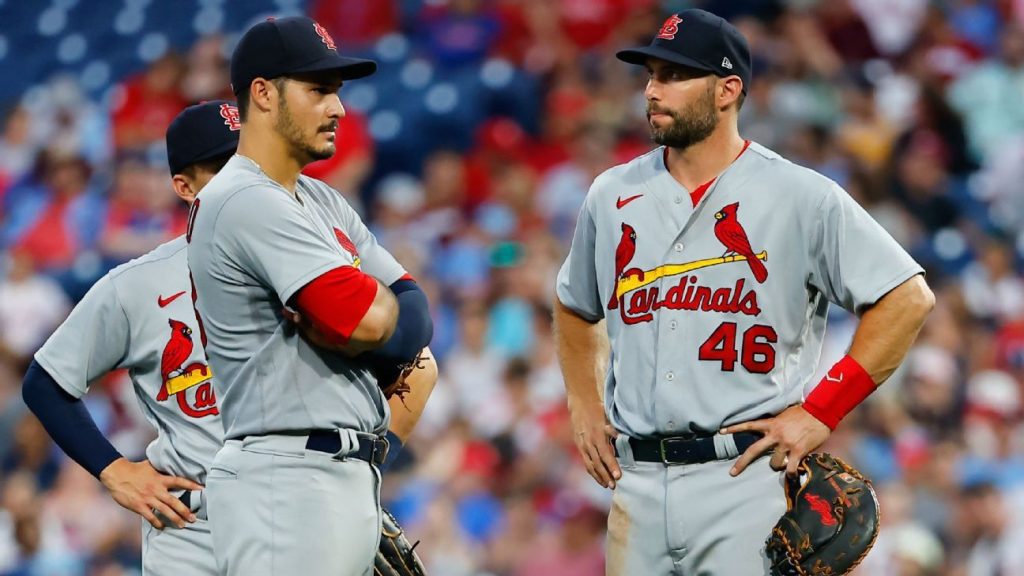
662	448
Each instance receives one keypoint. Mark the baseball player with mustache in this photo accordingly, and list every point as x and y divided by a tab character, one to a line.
295	488
707	267
140	317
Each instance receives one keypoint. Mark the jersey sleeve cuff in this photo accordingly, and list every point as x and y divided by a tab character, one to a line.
66	384
586	315
891	285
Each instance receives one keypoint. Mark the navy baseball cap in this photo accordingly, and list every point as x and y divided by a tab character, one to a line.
697	39
283	46
202	132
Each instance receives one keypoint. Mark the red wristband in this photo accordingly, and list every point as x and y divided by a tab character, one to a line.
845	386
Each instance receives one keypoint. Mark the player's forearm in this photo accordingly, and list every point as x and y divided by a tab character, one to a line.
67	421
406	412
885	333
377	325
888	329
582	349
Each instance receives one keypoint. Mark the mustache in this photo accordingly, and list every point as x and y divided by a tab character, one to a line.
332	127
652	109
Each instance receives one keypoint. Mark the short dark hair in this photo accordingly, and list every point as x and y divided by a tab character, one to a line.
212	165
739	101
243	96
242	102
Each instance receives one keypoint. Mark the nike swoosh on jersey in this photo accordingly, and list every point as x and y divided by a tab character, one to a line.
620	202
161	301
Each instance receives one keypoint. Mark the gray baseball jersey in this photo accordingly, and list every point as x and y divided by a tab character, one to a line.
140	317
715	313
252	247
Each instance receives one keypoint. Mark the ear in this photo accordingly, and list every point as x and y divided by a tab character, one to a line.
728	91
183	187
262	94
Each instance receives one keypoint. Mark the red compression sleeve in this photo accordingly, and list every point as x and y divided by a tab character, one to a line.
336	301
845	386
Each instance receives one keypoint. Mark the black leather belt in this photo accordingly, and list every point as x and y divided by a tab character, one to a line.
372	448
685	449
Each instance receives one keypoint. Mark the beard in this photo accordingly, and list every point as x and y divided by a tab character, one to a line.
304	147
690	126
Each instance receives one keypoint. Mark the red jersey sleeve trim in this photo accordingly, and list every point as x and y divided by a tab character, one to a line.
336	301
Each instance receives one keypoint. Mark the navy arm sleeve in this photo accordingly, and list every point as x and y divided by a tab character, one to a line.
413	329
67	421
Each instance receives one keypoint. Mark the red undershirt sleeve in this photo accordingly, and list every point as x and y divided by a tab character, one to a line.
336	301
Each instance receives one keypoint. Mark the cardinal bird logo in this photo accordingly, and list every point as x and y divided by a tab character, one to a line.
730	232
178	377
348	245
821	507
178	349
624	253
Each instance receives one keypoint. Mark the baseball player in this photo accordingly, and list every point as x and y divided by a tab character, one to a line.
130	320
140	317
712	261
295	488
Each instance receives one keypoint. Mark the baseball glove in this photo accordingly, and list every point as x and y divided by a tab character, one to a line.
395	557
391	377
831	520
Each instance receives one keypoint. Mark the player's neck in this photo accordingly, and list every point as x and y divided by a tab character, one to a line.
273	157
704	161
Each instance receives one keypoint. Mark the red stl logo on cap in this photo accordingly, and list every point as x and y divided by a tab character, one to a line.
322	32
230	115
670	28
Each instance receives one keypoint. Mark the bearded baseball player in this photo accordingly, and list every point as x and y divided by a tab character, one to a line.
295	489
712	262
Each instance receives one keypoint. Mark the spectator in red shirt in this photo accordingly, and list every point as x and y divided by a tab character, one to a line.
56	216
147	104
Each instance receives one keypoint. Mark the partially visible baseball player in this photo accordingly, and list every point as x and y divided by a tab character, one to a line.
140	317
295	489
712	261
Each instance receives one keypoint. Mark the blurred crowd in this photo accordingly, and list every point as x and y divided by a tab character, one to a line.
914	106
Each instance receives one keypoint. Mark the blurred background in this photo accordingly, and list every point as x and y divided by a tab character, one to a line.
470	152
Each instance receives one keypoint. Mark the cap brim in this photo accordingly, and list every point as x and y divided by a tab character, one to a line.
350	68
639	57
